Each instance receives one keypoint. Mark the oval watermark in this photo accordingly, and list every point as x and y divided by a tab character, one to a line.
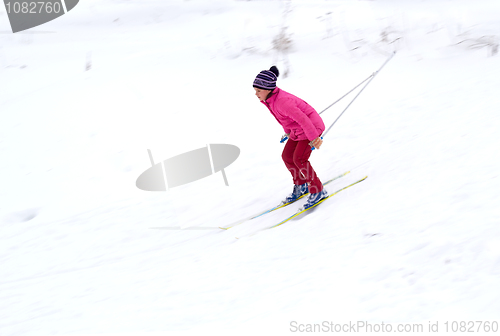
26	14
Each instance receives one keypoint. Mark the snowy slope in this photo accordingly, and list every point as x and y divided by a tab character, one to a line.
80	248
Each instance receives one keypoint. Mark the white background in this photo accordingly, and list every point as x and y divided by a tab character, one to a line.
83	97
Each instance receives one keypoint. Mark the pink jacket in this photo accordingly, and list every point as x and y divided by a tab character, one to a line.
296	116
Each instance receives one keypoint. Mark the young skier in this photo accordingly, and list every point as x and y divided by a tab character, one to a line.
303	126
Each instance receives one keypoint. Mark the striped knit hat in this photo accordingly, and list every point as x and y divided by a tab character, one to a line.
266	79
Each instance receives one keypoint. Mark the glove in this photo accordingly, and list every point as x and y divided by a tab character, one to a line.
316	143
284	138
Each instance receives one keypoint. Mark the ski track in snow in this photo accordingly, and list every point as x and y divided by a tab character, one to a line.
84	252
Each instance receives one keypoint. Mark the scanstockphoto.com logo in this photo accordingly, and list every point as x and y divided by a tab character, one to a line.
29	13
188	167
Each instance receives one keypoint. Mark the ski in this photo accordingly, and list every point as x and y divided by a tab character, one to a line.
300	212
261	213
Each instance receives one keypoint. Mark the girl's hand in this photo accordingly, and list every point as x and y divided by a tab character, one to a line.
317	142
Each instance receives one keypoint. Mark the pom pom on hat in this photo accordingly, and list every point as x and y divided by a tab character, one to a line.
275	70
266	79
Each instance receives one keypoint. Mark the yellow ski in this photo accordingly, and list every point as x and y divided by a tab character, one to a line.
324	199
276	207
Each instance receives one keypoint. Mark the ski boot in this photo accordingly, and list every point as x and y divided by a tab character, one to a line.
298	191
315	198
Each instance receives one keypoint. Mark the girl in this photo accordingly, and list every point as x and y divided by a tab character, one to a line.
303	126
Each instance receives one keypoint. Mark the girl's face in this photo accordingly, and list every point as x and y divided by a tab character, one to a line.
261	94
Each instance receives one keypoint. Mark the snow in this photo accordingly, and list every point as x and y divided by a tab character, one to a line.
85	252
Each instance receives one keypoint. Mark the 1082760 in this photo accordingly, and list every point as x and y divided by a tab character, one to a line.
472	326
38	7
